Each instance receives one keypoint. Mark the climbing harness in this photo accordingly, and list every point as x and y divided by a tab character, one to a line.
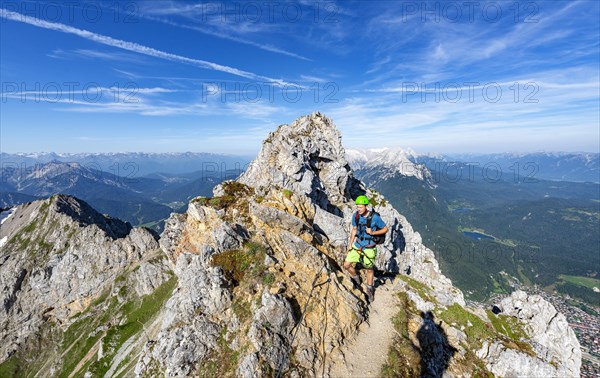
361	260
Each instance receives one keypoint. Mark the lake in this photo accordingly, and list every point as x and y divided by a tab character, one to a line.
461	210
478	236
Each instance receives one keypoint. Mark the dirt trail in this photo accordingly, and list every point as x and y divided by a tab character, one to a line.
367	352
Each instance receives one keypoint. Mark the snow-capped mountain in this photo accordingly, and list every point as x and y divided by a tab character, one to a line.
526	167
379	164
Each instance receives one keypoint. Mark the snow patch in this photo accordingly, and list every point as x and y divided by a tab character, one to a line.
6	214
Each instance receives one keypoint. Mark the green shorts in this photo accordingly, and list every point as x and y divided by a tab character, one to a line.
368	261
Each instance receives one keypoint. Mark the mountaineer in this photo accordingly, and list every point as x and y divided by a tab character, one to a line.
368	230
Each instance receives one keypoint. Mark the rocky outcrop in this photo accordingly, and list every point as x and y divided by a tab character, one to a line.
306	157
61	255
551	338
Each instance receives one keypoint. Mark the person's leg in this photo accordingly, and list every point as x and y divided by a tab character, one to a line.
351	259
370	276
350	268
370	257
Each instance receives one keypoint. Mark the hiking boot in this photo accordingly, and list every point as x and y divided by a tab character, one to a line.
356	282
371	293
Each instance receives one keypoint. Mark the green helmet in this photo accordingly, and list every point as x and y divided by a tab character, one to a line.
362	200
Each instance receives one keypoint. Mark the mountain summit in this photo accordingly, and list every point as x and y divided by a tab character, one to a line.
306	157
249	283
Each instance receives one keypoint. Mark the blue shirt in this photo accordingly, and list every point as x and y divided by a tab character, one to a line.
364	239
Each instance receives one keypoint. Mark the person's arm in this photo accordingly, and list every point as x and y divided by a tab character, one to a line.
378	232
381	227
352	237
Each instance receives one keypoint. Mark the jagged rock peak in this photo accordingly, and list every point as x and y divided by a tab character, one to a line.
81	212
306	157
67	207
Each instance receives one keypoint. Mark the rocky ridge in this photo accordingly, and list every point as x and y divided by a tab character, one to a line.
60	256
248	283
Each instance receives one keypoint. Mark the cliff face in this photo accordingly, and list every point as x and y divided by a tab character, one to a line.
247	283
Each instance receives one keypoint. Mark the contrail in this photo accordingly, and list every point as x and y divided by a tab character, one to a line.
135	47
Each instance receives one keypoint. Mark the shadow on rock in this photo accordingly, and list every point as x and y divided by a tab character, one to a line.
435	349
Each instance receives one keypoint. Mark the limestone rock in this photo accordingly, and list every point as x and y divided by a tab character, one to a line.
553	340
270	329
60	255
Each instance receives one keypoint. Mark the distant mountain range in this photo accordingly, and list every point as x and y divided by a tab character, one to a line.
143	188
139	199
558	166
132	164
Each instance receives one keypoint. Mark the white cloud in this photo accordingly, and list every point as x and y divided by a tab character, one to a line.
135	47
94	54
228	35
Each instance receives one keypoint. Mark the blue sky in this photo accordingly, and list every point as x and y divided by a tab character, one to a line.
169	76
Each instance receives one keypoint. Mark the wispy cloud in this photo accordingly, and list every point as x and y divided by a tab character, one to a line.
148	102
440	50
313	79
135	47
95	54
228	36
559	110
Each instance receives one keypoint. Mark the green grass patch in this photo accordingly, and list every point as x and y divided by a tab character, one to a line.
268	279
287	193
241	309
81	336
507	325
12	367
474	327
423	290
234	188
240	263
137	313
588	282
